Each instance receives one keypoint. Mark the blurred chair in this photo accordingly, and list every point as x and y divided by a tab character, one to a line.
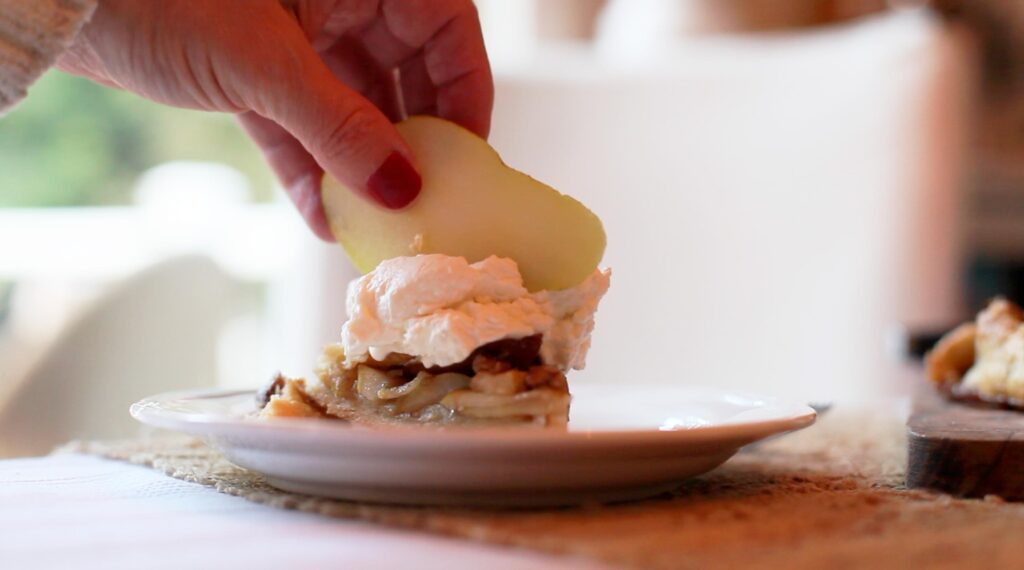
156	331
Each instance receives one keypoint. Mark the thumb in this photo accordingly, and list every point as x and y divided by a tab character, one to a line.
349	137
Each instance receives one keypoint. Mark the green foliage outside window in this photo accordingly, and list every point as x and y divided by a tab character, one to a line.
75	143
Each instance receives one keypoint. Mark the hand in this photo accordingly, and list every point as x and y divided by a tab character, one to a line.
312	81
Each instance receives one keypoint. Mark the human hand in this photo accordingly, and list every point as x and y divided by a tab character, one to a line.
312	81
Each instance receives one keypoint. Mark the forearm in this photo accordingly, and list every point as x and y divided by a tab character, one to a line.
33	33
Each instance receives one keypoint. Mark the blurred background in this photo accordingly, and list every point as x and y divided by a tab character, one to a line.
797	194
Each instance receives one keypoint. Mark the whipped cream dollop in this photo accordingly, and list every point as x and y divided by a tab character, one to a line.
441	308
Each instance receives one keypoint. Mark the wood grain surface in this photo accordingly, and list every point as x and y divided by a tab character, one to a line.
964	449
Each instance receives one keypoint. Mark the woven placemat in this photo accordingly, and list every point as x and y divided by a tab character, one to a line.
830	496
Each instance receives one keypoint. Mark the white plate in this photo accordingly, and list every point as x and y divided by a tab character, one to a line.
623	443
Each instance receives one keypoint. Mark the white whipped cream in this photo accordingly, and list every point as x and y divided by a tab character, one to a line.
441	308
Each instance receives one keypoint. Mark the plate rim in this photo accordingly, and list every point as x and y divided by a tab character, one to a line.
149	411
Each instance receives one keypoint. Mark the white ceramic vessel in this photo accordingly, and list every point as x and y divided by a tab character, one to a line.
622	444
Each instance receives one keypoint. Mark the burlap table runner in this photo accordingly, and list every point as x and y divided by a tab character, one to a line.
829	497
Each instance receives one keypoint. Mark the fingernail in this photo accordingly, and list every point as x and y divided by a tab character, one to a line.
396	183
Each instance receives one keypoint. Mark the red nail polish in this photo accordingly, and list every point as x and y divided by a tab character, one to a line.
396	183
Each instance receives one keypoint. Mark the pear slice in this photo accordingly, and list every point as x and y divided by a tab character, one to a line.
472	205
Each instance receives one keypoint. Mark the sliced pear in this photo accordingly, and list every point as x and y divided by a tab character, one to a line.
472	205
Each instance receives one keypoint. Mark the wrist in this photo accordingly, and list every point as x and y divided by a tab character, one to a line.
32	36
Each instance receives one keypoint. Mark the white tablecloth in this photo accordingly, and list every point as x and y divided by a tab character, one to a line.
75	511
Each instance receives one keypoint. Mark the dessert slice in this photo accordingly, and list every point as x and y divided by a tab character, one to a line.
435	339
495	305
983	360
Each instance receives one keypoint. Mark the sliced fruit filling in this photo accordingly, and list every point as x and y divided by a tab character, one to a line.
501	382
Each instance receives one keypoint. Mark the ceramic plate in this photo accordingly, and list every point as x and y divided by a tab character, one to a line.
622	444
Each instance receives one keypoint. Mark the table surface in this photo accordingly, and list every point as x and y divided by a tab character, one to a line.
77	511
826	497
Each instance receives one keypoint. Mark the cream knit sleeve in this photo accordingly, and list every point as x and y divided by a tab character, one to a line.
33	33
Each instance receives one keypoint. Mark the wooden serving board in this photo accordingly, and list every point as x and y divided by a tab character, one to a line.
963	449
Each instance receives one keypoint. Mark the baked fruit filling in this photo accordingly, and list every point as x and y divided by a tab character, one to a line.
501	382
984	360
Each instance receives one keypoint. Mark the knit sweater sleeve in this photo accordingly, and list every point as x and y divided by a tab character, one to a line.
33	33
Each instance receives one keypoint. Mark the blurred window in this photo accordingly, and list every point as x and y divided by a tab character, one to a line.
75	143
